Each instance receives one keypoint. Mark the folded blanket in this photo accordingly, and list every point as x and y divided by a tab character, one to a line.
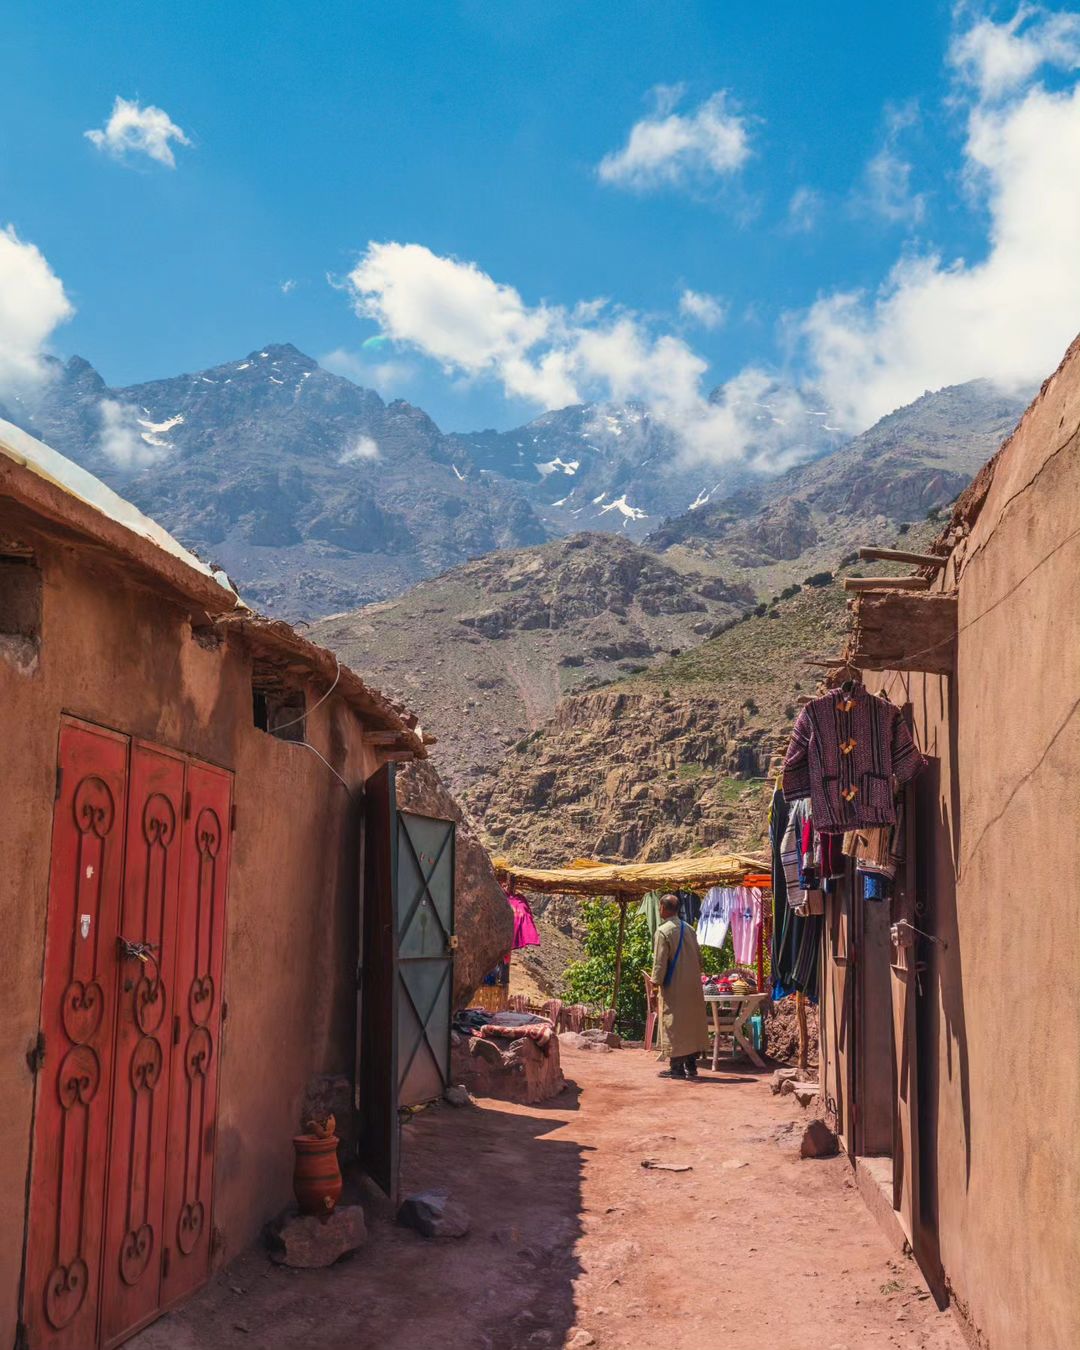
540	1032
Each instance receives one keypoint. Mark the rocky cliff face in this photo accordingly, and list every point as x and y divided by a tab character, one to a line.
487	650
675	758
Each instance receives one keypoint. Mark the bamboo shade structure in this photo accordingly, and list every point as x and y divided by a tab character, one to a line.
588	878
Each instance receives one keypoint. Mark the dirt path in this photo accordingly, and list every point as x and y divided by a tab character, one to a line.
574	1243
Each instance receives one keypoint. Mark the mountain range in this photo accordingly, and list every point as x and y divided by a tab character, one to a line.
316	495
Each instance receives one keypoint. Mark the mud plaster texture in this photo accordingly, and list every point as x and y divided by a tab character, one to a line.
999	1095
120	655
573	1239
483	921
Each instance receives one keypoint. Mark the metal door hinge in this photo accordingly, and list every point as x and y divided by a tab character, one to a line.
59	782
187	805
176	1030
166	1257
232	818
22	1336
217	1241
224	1009
35	1056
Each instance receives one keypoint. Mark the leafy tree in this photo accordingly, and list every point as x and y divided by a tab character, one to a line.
592	979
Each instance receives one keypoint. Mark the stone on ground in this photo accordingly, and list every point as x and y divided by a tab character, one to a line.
434	1214
309	1242
593	1038
818	1141
781	1076
458	1095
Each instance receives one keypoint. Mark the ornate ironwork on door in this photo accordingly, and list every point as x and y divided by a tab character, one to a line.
136	912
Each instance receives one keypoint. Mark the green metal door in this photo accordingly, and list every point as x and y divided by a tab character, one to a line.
425	910
406	970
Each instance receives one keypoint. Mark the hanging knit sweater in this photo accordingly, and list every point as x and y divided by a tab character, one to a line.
843	754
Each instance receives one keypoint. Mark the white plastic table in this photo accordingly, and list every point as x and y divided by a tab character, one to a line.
739	1009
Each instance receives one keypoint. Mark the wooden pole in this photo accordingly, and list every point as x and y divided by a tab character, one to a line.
804	1035
761	957
899	555
619	953
886	584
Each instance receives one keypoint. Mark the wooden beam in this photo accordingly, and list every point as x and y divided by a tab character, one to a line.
827	662
901	631
398	756
429	739
384	737
886	583
900	556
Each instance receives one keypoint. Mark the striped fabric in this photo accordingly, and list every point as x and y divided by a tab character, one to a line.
843	754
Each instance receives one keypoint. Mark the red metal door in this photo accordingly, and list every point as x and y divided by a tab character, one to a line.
131	1275
67	1191
200	948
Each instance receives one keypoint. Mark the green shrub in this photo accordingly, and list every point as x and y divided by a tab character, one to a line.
592	979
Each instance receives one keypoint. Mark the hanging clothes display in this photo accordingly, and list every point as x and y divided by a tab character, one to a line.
650	911
526	933
796	940
712	929
746	924
845	750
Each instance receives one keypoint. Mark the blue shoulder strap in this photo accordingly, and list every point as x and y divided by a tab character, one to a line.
675	959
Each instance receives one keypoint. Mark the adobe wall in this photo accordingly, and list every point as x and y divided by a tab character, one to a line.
120	656
1000	1014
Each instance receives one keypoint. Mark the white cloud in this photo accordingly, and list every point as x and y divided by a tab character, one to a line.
142	131
1007	316
360	449
668	149
709	311
32	304
804	210
287	287
389	376
998	58
886	187
553	355
123	438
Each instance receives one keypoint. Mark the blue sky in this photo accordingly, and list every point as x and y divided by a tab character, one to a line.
810	174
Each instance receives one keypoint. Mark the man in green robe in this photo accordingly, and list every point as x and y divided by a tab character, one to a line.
677	972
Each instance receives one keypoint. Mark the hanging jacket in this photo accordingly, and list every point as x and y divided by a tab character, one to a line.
843	754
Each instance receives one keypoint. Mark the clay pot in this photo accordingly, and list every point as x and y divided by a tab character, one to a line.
316	1176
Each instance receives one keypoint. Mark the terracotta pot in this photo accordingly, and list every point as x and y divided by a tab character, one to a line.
316	1176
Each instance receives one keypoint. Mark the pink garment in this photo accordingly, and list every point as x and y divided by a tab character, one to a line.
746	924
526	933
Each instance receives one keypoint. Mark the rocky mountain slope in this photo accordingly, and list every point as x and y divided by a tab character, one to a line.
489	648
911	463
317	496
613	466
310	491
672	759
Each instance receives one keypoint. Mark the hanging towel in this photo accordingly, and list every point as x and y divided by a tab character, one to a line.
712	929
746	924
